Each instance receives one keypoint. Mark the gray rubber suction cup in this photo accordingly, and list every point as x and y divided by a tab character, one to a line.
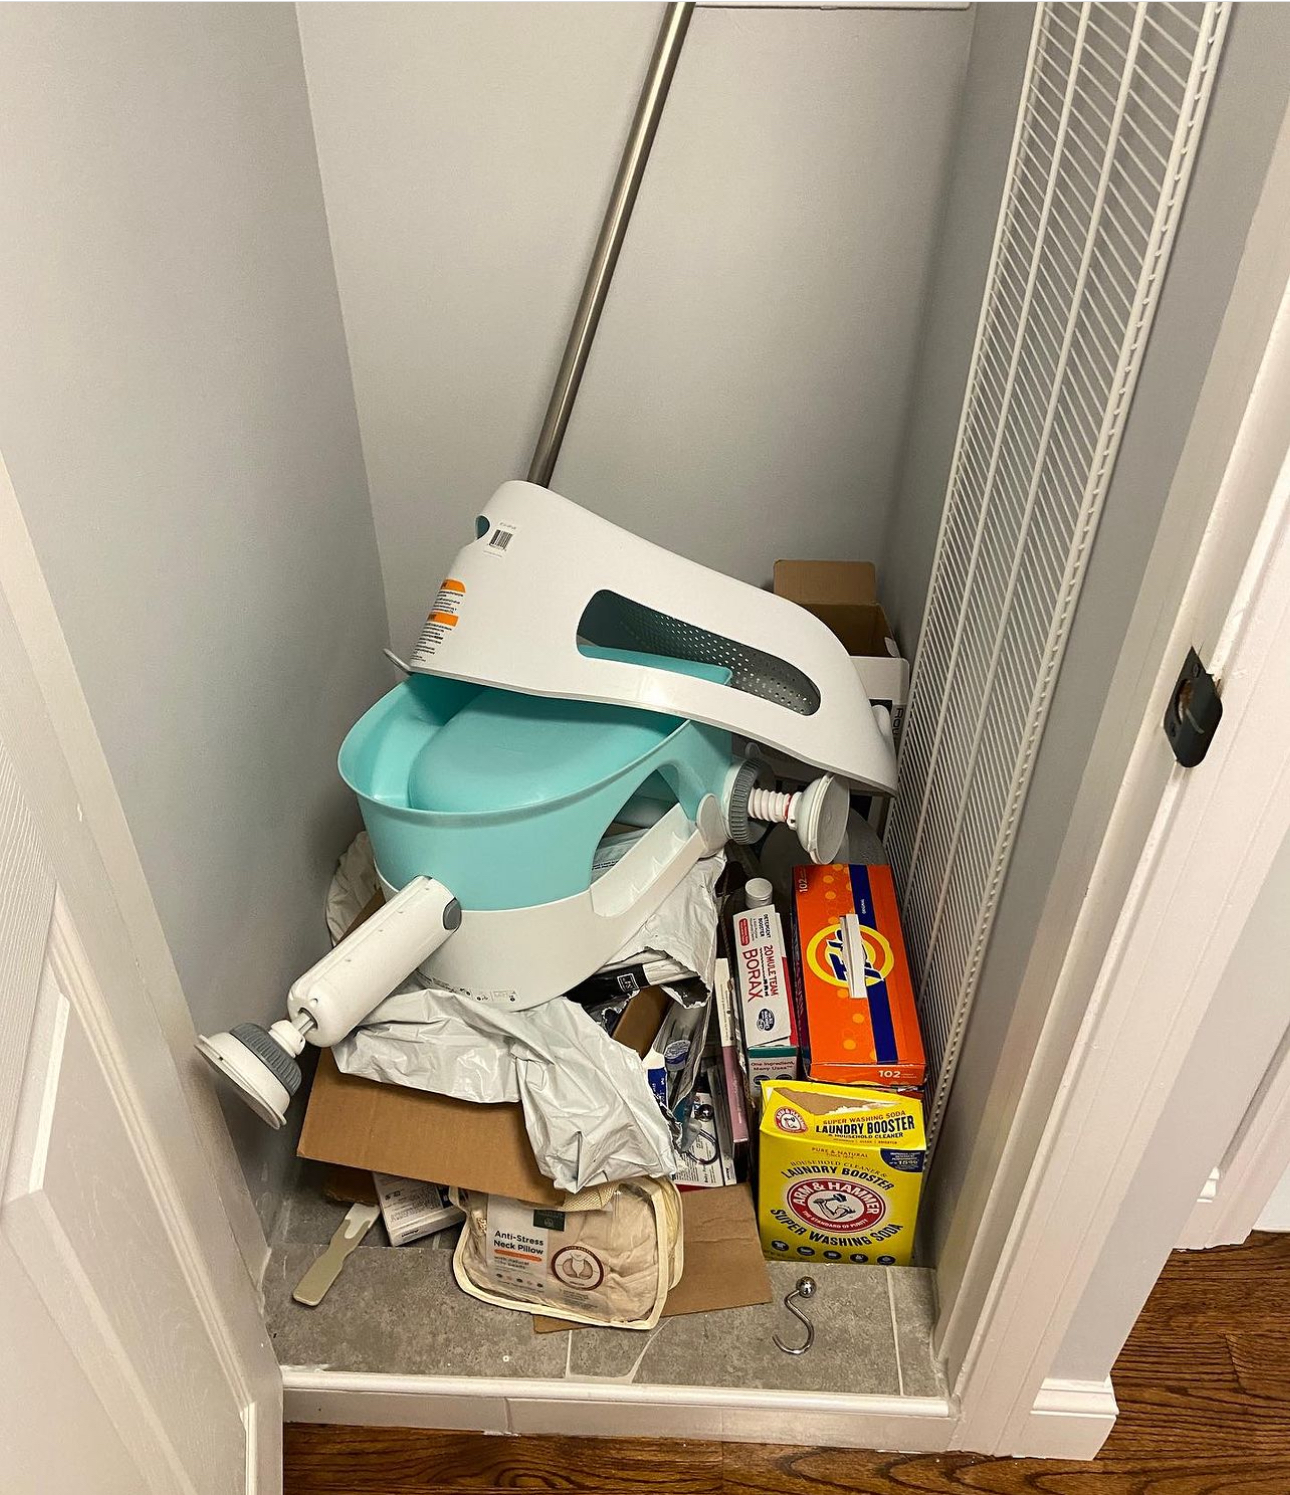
742	829
270	1053
264	1074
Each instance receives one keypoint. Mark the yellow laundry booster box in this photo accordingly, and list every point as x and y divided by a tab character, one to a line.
841	1169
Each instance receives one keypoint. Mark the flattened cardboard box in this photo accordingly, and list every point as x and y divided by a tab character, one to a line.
414	1134
724	1264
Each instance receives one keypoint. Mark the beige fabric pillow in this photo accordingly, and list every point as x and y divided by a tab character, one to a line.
606	1256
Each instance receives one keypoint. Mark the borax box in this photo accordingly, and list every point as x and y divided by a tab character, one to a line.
761	966
856	1019
841	1169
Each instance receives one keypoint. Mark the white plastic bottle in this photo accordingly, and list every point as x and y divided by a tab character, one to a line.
758	893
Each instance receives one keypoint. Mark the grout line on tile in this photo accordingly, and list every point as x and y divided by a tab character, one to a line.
895	1328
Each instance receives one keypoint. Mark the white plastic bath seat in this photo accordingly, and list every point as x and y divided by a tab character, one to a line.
570	675
543	578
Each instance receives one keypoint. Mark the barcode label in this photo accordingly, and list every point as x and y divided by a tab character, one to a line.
501	537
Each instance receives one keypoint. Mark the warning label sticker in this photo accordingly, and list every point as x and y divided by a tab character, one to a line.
443	618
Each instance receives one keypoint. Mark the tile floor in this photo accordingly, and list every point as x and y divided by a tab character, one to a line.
398	1310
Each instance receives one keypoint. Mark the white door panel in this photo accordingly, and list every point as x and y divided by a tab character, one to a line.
132	1354
26	908
45	1398
78	1205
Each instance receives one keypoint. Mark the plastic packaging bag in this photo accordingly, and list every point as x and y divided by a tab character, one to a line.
675	1057
684	925
588	1108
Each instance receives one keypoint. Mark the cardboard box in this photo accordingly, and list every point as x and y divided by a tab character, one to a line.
765	995
844	596
841	1170
724	1266
414	1134
412	1209
851	981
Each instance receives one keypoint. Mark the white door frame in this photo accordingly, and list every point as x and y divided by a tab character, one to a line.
1122	1158
1203	542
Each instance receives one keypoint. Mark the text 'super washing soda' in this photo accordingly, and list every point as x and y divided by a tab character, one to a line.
841	1170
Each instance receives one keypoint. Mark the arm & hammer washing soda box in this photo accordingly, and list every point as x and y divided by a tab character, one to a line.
851	982
841	1170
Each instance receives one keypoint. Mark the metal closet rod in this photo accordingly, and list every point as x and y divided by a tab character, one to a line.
631	169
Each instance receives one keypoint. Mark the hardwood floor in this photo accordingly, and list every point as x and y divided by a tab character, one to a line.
1203	1386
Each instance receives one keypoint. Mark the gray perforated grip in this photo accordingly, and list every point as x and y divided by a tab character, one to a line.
737	818
270	1053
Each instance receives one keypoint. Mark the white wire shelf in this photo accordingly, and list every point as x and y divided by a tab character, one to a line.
1113	100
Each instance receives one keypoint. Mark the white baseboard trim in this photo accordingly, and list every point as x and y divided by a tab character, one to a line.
1070	1420
899	1424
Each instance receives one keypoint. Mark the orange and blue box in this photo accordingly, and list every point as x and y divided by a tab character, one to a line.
858	1027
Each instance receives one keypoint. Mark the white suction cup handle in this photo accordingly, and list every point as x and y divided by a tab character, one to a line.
339	992
817	813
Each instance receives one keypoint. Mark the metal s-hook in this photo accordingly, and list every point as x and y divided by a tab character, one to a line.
805	1289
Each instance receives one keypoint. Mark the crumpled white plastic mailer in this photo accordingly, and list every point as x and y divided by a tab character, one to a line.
684	925
588	1109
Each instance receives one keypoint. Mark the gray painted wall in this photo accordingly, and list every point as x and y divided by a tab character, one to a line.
747	391
177	418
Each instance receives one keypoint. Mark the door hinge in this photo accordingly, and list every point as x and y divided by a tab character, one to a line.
1193	713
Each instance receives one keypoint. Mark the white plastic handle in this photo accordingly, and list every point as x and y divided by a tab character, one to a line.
367	965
